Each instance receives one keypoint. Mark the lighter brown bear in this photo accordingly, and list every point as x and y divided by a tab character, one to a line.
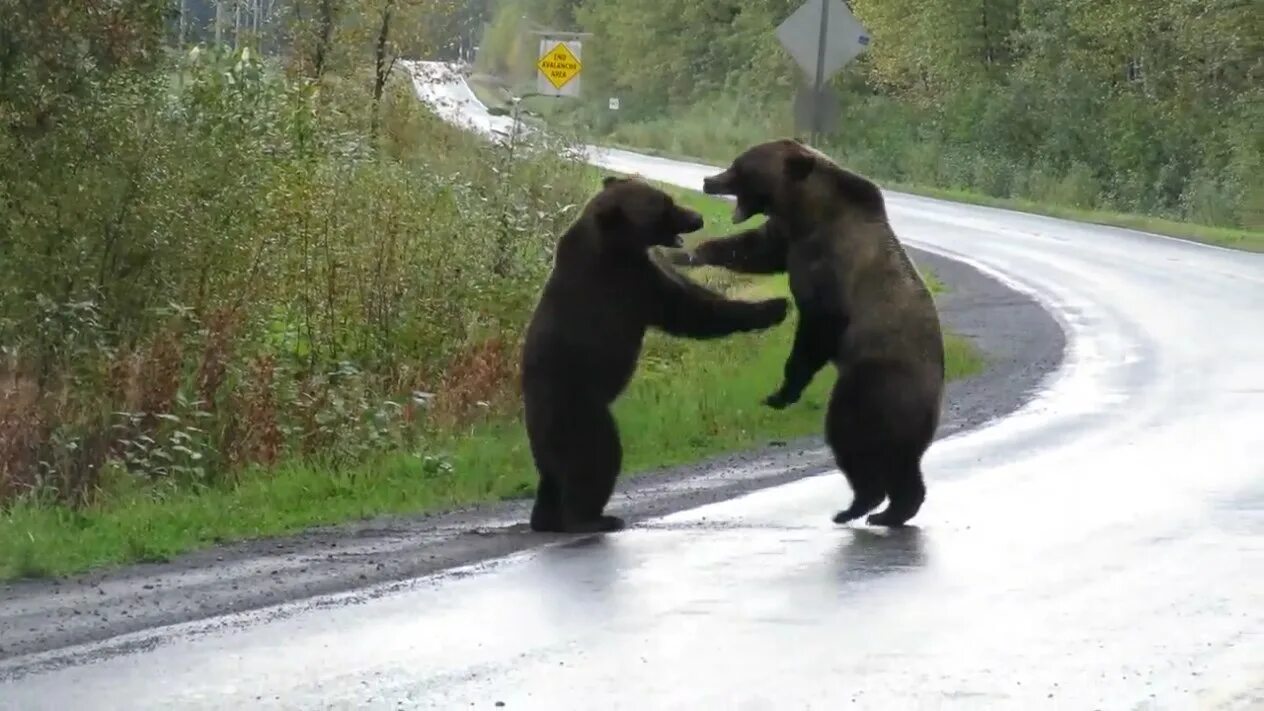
862	305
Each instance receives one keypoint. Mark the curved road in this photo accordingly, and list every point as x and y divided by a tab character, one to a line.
1103	548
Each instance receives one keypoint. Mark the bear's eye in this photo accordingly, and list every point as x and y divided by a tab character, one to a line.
666	211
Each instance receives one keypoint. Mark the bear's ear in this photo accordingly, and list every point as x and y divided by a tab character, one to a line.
799	165
609	180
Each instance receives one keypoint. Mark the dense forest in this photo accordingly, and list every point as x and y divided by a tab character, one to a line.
1146	106
214	257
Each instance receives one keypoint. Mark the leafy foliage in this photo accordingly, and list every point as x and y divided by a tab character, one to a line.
1147	107
208	262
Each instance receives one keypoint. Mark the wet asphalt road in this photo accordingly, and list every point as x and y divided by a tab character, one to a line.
1101	548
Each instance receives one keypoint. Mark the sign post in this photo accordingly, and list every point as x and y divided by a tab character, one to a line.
822	36
819	81
557	70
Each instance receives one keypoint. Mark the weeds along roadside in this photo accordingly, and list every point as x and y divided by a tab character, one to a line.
201	280
262	317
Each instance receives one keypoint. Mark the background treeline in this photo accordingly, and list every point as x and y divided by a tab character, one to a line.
1145	106
216	257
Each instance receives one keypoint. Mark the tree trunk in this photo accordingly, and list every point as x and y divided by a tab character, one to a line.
219	22
328	12
382	63
987	38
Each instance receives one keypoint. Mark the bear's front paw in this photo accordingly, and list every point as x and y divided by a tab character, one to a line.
682	258
711	254
775	310
780	400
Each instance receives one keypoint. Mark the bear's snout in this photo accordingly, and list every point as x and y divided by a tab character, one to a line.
716	184
690	221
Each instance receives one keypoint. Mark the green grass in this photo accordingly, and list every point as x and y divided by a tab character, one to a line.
1243	239
689	400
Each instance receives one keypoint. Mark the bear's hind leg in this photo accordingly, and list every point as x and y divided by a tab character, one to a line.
865	474
546	514
546	436
863	461
907	491
593	460
883	428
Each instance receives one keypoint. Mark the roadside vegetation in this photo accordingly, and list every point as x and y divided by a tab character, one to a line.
246	290
1141	115
688	401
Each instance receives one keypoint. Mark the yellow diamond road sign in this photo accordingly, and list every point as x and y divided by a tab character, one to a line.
559	66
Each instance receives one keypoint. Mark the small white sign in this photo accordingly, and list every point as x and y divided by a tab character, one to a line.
614	103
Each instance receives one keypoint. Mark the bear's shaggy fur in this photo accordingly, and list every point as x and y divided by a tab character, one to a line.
585	337
861	304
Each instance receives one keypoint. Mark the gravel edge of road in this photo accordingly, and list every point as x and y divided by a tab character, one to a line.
43	621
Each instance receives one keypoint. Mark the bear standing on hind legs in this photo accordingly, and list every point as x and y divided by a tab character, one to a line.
585	337
861	304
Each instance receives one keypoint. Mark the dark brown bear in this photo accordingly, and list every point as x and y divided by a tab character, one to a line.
861	304
585	337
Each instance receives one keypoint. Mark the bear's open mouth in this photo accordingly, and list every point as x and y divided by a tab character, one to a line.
723	184
746	208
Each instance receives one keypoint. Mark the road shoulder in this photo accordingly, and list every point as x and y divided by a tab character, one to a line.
1020	340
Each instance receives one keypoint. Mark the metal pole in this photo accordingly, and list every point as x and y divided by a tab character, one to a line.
818	83
513	133
517	104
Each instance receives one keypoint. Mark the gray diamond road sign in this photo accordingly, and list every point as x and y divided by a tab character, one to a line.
844	37
822	36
